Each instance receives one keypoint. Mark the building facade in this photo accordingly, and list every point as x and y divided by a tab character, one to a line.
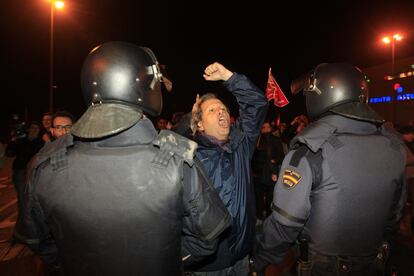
392	94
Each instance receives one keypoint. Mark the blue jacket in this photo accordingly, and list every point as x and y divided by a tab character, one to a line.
230	171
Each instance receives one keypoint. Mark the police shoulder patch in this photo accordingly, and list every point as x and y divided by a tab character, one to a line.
291	178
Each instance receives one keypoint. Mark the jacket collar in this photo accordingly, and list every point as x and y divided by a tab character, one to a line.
347	125
316	133
235	138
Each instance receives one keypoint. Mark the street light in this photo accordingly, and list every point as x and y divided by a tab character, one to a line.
388	40
392	40
54	4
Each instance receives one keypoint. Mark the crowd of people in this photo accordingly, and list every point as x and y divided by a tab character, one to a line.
116	193
27	139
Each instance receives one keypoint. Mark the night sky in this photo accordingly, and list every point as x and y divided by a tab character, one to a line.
246	36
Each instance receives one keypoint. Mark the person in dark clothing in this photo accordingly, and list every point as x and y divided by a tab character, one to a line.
23	148
114	197
341	189
295	127
226	151
46	134
266	162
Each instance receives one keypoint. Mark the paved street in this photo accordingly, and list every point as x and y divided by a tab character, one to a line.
15	260
18	260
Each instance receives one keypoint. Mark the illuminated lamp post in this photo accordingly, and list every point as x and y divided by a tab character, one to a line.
392	40
54	4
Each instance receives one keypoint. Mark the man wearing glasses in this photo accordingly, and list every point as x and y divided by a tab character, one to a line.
62	122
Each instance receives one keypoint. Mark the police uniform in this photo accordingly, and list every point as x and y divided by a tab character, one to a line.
342	187
116	198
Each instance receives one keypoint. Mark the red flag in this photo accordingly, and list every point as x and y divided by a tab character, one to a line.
274	92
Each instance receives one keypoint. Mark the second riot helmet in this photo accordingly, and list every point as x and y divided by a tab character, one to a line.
340	88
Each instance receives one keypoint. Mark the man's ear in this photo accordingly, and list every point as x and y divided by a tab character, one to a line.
200	126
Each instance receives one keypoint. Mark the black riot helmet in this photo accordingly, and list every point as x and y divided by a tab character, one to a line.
119	81
339	88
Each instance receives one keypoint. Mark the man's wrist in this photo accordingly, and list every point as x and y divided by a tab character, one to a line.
227	75
230	80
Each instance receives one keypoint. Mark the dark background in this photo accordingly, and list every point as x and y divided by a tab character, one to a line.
246	36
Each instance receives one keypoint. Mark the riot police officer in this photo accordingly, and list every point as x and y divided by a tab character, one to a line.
114	197
341	186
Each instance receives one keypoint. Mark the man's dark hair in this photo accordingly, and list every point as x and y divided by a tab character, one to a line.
62	113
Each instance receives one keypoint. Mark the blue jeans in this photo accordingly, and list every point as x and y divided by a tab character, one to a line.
240	268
